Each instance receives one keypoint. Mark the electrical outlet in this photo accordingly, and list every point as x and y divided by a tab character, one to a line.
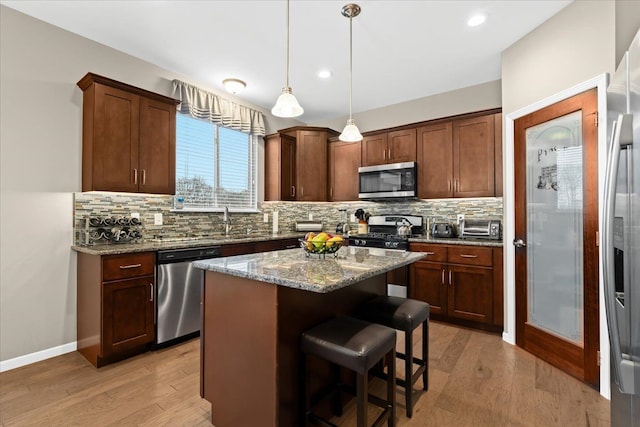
135	215
460	218
310	216
265	218
157	219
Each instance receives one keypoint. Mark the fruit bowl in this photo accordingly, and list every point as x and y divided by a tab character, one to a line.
321	244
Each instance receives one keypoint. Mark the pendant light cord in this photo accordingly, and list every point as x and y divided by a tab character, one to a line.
287	37
350	63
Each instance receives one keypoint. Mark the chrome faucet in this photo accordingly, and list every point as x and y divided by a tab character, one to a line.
226	221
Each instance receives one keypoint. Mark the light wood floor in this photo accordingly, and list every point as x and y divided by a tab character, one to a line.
475	380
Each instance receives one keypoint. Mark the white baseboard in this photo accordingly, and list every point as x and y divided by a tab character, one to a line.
27	359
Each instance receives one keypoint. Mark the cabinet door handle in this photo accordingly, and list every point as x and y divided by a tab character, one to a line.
389	153
449	183
135	176
151	298
450	280
293	191
301	190
125	267
384	154
144	176
443	276
468	256
331	192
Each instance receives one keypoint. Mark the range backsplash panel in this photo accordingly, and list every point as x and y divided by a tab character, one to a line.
177	224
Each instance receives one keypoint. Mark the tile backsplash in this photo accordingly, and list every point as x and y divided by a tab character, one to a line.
178	224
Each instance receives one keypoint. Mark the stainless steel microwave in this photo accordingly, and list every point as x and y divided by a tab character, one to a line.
390	181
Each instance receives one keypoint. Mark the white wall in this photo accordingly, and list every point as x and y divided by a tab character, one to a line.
483	96
575	46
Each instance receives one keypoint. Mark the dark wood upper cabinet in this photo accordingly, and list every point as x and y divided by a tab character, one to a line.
458	158
374	149
497	128
435	161
344	161
390	147
157	147
402	146
298	171
280	167
474	157
128	138
311	162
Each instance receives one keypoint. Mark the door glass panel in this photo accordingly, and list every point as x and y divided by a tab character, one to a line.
554	227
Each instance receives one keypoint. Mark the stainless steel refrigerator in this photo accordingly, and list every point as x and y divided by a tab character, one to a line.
621	238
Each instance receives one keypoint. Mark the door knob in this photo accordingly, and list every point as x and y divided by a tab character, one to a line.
519	243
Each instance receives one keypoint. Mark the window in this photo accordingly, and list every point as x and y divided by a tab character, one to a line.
215	166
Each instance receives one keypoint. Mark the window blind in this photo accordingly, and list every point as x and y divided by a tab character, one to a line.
215	166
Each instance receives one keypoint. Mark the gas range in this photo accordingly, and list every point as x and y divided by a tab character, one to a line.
383	232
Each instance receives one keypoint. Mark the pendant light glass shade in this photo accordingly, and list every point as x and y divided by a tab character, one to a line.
287	105
350	133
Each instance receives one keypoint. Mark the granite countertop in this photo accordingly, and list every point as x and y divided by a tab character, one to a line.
456	241
179	243
292	268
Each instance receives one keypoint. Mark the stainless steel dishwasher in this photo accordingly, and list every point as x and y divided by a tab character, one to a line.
178	293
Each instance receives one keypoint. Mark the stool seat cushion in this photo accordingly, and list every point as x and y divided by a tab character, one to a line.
352	343
395	312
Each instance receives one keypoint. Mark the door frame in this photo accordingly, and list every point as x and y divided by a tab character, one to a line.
509	335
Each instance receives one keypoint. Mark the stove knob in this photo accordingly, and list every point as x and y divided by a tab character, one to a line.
387	244
395	244
363	242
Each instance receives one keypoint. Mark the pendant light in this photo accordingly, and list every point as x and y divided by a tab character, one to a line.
287	104
350	132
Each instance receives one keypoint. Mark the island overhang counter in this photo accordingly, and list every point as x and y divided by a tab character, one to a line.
254	308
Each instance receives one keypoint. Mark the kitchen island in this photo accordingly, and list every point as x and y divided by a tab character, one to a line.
254	308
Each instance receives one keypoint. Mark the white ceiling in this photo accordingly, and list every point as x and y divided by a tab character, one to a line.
402	50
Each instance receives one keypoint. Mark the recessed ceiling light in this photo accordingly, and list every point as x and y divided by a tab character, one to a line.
476	20
324	74
234	85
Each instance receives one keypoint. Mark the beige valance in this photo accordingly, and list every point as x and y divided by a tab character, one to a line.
205	105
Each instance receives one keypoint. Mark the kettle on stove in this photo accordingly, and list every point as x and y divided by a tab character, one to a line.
403	229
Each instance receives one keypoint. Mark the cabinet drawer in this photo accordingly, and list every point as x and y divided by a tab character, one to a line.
436	253
116	267
471	255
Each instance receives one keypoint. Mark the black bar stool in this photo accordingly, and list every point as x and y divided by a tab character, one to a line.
356	345
405	315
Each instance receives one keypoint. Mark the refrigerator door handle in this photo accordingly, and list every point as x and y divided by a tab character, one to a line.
622	367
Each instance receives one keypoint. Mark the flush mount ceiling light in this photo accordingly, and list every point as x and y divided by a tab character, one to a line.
350	132
476	20
234	85
287	104
324	74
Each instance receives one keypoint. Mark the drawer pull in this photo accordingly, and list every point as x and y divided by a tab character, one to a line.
468	256
126	267
430	253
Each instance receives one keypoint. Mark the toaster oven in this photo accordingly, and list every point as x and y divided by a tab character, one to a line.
480	229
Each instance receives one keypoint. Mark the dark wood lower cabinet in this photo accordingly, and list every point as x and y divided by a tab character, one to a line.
127	315
116	305
464	286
